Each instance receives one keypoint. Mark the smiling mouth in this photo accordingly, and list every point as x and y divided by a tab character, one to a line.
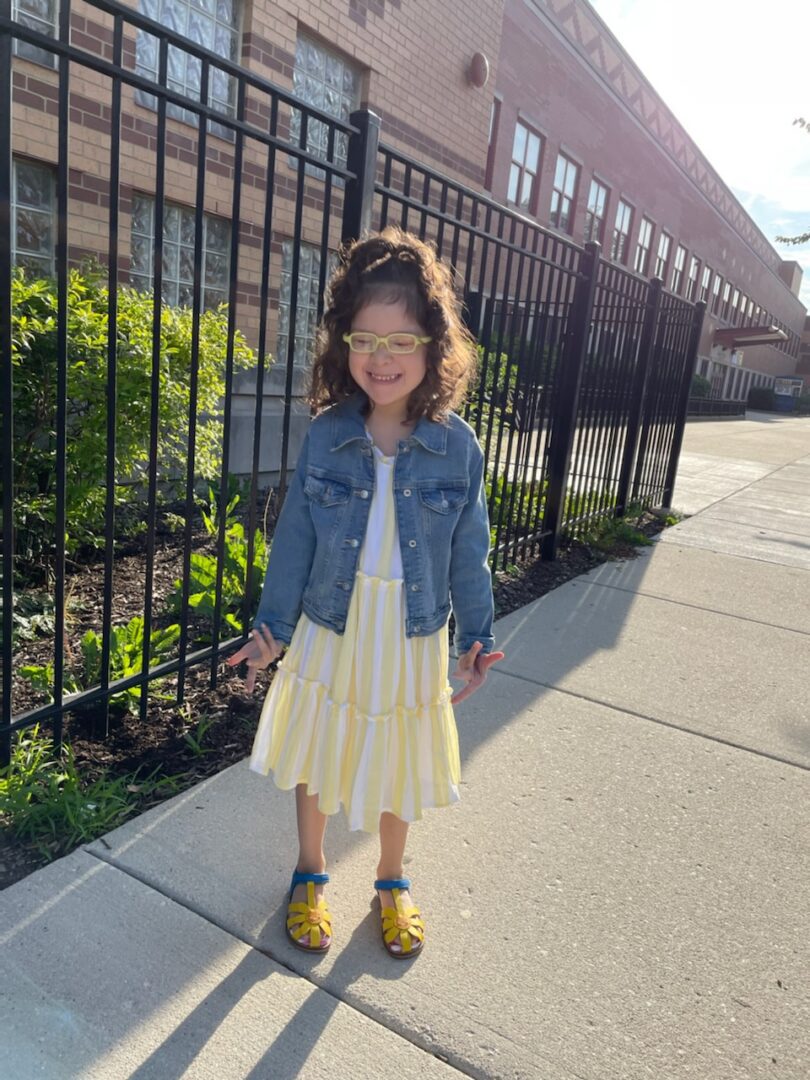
382	378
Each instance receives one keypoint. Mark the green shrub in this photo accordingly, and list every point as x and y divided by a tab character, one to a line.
700	388
761	397
34	357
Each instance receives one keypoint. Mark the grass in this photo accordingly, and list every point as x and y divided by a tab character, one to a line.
45	802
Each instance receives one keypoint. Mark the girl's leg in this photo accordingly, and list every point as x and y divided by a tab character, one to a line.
311	829
393	837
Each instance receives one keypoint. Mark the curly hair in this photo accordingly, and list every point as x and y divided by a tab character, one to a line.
389	267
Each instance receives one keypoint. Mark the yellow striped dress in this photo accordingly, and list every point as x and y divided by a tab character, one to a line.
364	717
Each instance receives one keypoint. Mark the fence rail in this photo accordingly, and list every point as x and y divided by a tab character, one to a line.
584	376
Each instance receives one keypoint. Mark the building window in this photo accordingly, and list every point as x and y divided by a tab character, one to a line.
726	297
621	231
214	26
306	306
662	258
642	259
691	284
743	306
562	194
595	212
331	82
494	121
523	171
705	282
33	217
178	253
735	299
39	15
677	269
718	281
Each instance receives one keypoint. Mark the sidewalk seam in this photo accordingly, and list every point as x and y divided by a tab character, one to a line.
652	719
697	607
745	487
175	899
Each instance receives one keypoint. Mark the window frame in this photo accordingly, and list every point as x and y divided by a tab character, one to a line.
640	266
678	267
33	53
716	287
618	250
662	261
492	141
591	216
531	206
340	145
560	217
692	278
310	308
705	282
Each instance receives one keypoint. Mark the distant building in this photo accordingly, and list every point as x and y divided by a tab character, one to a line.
580	141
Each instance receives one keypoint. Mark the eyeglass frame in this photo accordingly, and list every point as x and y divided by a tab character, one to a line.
419	339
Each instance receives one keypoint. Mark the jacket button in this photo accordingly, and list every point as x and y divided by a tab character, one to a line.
411	543
363	494
414	588
352	542
416	629
407	491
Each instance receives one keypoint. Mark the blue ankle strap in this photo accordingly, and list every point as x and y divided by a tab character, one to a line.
303	878
392	883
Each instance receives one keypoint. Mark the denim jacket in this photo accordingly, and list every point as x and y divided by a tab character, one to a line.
442	524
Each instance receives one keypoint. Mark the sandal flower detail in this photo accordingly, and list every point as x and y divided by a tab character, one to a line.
310	923
401	925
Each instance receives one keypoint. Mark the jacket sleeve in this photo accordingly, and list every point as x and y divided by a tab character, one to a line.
291	553
470	576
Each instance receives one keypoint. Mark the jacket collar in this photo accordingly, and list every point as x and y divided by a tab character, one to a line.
348	424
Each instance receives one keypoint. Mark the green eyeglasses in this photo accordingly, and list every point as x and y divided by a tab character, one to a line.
361	341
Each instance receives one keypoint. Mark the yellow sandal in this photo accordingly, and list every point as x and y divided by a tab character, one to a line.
404	923
312	919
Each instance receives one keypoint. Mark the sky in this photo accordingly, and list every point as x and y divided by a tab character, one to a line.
736	76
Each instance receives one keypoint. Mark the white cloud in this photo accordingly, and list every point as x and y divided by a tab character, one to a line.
735	75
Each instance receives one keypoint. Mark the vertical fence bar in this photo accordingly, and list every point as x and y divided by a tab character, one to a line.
652	310
361	162
570	377
683	400
6	391
62	174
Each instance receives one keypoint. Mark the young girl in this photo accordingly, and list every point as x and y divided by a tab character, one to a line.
384	522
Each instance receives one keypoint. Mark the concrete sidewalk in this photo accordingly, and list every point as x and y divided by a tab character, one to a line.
621	893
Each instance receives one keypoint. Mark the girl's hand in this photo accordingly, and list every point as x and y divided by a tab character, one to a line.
473	667
260	651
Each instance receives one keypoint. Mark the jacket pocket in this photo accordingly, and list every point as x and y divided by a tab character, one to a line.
326	492
443	500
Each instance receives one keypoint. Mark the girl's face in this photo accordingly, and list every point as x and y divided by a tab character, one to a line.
388	380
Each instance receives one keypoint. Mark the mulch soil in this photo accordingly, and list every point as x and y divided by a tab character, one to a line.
129	746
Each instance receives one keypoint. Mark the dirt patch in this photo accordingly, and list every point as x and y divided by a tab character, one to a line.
123	744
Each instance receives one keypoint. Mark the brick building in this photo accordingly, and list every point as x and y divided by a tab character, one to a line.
581	142
406	62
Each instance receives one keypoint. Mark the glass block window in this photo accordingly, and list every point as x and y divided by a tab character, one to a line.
677	269
523	172
178	253
33	217
662	258
306	308
562	194
595	212
330	82
39	15
691	284
642	257
621	231
213	24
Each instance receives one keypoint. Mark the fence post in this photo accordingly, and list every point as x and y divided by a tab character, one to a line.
362	163
683	400
6	395
637	395
569	376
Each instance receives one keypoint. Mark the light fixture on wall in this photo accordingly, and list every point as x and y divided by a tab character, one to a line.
478	71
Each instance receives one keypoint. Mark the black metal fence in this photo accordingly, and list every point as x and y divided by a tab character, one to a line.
585	369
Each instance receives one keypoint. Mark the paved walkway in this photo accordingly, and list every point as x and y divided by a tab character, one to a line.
621	893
